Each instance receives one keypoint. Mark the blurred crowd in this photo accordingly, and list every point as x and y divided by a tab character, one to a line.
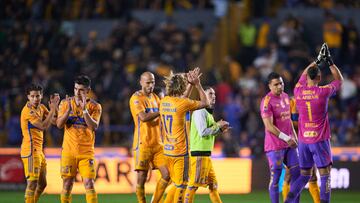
39	51
89	9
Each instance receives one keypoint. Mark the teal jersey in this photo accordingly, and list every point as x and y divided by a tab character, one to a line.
203	131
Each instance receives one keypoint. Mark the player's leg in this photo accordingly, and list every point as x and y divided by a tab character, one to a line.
31	169
169	162
68	173
142	158
159	162
86	167
41	185
323	161
291	160
170	194
286	184
213	185
306	162
275	160
313	186
194	175
181	168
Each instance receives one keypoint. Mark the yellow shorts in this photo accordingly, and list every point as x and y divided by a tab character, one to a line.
34	166
202	172
178	169
146	158
71	164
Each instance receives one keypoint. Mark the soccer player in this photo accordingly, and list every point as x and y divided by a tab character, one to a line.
147	144
313	186
35	118
173	109
314	129
203	131
280	136
80	117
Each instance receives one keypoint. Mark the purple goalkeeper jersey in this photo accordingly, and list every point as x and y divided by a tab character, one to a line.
312	105
277	107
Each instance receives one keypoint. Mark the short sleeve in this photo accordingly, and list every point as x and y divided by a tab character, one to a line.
302	80
45	112
63	107
330	89
95	112
136	105
265	108
191	105
33	117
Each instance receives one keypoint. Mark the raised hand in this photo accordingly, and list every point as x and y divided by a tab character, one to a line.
327	56
320	57
193	76
54	101
68	101
82	102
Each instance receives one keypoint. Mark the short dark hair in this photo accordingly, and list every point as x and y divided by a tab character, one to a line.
34	87
313	72
272	76
206	87
83	80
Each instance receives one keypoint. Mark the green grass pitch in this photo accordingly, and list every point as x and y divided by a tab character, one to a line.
254	197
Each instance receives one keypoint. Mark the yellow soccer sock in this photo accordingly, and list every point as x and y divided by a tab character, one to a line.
179	194
140	194
159	191
285	190
65	196
37	195
91	196
171	194
314	191
215	196
29	196
190	194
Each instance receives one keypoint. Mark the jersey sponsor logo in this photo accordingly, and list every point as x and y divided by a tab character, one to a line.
310	134
169	147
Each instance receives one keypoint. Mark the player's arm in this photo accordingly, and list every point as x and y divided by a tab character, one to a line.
147	116
188	90
336	73
92	121
199	117
269	126
194	78
64	112
45	124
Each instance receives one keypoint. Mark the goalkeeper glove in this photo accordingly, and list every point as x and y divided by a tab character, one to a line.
320	57
327	58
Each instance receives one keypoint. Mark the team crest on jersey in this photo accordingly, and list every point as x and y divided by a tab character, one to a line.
32	112
136	102
91	162
282	104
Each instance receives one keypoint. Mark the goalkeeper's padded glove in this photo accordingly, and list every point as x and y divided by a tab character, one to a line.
327	58
321	54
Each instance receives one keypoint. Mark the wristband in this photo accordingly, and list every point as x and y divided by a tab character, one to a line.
284	137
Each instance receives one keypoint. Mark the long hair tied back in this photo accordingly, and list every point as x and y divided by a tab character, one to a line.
175	84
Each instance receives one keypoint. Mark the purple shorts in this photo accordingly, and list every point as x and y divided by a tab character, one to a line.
318	153
288	156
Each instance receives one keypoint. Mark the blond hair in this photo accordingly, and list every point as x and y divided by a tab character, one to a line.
175	84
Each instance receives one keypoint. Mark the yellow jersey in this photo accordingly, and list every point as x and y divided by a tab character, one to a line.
174	113
32	137
146	134
78	138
